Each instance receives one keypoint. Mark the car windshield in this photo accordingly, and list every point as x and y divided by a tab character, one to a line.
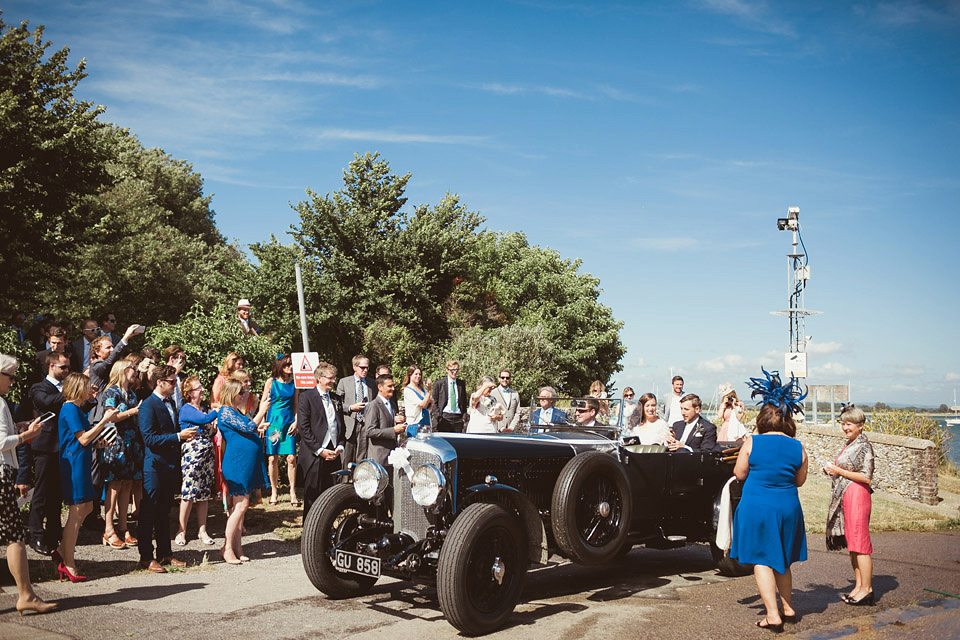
607	415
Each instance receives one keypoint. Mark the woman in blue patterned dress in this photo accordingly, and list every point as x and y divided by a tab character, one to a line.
76	460
242	462
198	460
768	529
122	461
281	437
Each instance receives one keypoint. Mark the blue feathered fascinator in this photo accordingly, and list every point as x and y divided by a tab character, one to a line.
786	397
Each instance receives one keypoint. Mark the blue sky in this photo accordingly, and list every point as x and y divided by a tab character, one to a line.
657	141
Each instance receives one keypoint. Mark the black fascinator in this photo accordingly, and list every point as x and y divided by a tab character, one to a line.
786	397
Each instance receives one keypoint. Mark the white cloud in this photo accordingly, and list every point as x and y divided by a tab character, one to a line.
511	89
753	15
395	137
953	377
831	369
640	362
723	364
823	348
911	371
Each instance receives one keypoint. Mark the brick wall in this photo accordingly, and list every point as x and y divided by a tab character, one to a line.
903	465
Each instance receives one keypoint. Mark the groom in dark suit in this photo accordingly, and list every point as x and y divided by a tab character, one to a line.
321	429
694	433
162	436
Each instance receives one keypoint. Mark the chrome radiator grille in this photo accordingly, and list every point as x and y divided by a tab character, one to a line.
408	516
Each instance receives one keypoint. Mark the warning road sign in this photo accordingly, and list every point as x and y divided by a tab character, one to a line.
303	366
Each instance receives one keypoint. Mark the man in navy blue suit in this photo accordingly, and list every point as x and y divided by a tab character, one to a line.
694	433
161	463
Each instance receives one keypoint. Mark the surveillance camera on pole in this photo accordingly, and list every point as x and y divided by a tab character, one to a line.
798	274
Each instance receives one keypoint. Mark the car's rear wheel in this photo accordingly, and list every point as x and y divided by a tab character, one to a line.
482	568
591	508
334	516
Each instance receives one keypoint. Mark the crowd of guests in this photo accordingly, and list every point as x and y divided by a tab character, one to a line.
119	429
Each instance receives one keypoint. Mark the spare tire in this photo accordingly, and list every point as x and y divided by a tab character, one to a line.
591	508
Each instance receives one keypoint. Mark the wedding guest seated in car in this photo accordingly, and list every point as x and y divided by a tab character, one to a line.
694	433
547	413
586	411
645	424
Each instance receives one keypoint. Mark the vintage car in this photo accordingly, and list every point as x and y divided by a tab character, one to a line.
469	513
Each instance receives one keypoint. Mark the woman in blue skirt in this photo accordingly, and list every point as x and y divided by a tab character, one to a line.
768	529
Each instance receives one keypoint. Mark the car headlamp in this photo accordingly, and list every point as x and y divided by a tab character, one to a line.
427	485
369	479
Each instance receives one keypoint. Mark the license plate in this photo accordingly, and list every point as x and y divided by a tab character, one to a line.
356	563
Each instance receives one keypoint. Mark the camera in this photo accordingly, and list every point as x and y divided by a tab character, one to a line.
578	404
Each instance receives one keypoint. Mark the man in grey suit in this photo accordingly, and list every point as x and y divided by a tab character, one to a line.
378	436
356	391
509	399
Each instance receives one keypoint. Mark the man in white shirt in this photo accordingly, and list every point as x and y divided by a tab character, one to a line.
248	326
510	399
587	413
321	429
694	433
671	404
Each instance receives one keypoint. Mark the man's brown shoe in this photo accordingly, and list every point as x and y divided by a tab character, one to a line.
173	562
153	566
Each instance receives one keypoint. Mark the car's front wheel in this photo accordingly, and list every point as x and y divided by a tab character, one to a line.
482	568
332	518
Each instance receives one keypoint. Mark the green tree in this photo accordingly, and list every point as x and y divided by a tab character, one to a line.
209	336
28	363
52	157
414	288
153	250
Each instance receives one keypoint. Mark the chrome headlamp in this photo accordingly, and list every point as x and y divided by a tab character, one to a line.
370	479
427	485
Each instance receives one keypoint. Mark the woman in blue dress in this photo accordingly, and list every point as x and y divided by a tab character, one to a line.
768	530
242	462
198	461
76	459
281	437
122	461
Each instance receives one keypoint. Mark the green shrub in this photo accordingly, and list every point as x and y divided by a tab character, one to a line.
28	363
208	337
900	422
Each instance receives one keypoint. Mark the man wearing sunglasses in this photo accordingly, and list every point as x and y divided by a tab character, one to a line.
510	399
587	412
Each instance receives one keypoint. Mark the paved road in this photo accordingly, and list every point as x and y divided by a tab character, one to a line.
655	594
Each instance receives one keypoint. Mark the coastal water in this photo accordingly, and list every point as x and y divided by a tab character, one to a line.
953	448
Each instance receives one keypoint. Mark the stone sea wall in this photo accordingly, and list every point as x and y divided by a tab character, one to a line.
903	465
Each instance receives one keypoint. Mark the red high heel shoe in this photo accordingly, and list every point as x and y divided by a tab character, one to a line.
62	571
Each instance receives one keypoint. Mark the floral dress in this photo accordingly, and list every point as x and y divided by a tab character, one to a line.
198	461
123	460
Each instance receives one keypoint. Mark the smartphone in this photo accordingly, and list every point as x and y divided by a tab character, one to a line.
49	415
139	329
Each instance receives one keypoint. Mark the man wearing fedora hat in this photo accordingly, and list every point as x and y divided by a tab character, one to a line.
248	326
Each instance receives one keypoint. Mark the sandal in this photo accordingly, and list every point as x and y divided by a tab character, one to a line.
293	502
129	539
776	628
181	539
113	541
205	539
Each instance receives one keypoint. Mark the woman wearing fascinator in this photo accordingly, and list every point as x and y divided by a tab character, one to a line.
848	516
768	529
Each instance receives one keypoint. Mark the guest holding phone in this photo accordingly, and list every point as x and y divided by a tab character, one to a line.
76	459
11	530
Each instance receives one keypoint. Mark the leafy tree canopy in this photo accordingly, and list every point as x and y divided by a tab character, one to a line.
431	285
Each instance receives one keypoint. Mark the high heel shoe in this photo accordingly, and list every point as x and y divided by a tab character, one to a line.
864	601
129	539
113	541
64	572
37	606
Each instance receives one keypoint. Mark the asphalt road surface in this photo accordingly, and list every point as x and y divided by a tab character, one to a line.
650	594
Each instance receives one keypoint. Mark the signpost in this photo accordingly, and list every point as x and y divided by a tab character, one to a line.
303	367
